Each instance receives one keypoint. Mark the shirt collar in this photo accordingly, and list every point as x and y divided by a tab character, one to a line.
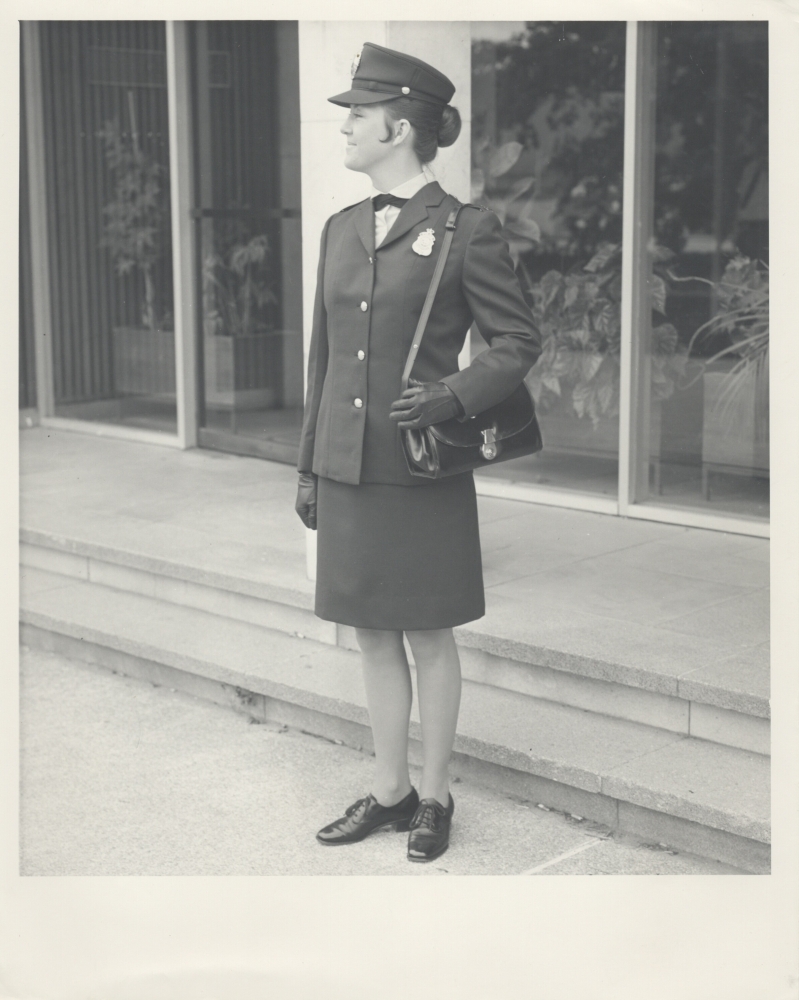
407	189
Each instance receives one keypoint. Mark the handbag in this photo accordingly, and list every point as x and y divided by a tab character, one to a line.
506	430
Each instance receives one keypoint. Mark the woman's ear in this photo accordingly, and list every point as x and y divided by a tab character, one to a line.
402	129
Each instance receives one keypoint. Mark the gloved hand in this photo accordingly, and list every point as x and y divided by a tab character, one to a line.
306	499
425	403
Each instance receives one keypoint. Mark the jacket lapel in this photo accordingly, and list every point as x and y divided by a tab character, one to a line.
365	225
414	212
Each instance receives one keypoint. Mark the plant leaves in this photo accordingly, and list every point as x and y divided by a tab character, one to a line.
519	187
603	256
526	229
659	254
607	320
534	384
657	293
605	395
504	158
590	363
581	396
580	335
664	339
552	383
550	286
566	363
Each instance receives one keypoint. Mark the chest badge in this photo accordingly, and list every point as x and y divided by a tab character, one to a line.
424	243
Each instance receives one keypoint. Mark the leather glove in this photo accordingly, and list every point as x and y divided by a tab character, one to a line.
425	403
306	499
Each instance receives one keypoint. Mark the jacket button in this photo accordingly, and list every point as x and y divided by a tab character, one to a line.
361	355
364	307
358	402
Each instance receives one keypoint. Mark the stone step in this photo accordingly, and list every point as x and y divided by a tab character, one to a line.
668	787
276	594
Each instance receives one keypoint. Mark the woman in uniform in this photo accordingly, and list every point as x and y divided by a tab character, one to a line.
399	555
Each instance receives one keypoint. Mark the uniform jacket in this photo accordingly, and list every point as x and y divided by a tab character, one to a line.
367	306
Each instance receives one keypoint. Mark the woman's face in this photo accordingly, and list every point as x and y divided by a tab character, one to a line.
364	127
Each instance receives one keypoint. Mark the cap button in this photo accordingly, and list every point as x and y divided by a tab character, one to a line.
406	90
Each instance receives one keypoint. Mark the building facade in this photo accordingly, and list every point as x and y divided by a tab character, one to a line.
175	178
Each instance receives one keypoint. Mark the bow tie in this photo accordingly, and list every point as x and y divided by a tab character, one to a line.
381	200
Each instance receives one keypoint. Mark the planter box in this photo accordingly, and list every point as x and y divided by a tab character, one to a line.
735	431
240	371
564	431
144	362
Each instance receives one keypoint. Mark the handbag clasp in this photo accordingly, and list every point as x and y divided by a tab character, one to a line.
489	449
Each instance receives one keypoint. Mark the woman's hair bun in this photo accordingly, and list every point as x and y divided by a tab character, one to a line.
450	127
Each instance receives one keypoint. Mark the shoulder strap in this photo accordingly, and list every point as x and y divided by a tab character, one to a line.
431	294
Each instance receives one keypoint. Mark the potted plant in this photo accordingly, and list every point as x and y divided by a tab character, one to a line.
735	432
576	379
239	310
578	374
510	197
135	223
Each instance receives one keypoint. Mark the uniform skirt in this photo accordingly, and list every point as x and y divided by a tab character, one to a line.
399	557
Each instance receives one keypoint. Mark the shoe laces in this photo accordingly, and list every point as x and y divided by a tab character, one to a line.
426	816
361	804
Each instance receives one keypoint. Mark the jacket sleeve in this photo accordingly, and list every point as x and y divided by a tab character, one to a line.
318	354
503	318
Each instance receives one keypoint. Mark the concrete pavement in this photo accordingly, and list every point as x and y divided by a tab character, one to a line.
602	635
628	601
119	777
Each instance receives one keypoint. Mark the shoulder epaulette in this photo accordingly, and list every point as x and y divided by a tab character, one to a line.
353	205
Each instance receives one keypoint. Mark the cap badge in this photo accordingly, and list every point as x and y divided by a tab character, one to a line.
424	243
355	64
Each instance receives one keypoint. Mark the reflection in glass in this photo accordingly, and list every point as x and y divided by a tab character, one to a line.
246	94
107	177
710	248
547	156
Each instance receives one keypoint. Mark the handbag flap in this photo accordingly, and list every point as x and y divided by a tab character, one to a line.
507	418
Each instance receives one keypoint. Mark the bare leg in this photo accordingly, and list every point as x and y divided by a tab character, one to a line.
387	679
438	677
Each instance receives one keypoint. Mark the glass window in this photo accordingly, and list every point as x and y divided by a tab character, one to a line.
247	211
709	342
27	346
107	179
547	157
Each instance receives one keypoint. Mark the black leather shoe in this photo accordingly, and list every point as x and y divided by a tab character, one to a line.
367	815
429	836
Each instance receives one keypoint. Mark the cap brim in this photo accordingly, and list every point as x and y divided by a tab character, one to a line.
361	97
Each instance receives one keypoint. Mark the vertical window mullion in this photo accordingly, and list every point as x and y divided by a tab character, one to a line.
183	263
39	240
637	224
